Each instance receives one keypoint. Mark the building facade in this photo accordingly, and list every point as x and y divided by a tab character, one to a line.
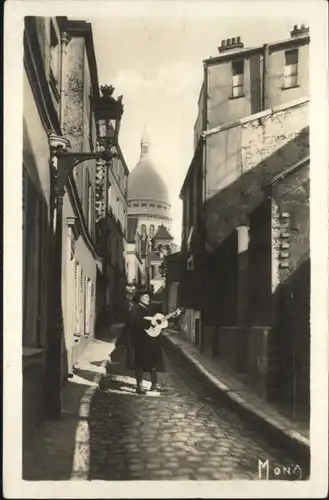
148	202
251	129
243	81
40	113
112	231
60	90
79	87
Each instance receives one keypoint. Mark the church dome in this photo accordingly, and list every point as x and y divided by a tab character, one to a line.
144	182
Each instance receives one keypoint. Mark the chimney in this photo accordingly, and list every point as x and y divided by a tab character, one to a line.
231	44
300	31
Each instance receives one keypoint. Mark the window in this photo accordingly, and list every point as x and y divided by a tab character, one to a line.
152	204
291	68
54	55
124	221
89	210
77	273
136	204
159	206
109	196
82	302
144	204
237	78
88	308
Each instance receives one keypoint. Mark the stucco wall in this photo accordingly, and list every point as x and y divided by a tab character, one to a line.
222	108
73	347
275	93
241	158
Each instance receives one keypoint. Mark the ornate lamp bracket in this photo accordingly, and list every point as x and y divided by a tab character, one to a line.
68	161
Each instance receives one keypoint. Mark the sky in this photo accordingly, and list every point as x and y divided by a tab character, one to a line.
156	64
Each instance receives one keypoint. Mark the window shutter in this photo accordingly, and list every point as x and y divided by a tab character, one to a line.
81	295
77	297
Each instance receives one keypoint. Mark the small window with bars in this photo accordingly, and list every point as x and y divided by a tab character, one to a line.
237	78
291	69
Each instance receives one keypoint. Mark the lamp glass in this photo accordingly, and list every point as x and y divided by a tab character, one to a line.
106	128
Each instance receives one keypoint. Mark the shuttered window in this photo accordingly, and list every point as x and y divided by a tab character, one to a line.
88	309
237	78
77	273
291	68
82	302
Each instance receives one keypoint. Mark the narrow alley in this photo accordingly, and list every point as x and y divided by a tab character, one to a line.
181	433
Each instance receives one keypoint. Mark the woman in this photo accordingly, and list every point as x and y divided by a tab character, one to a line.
147	353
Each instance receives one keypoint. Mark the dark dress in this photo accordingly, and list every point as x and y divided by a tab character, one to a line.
143	351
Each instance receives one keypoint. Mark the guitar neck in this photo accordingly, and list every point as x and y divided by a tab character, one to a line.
168	316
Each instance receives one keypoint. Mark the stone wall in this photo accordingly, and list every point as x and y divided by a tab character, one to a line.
291	285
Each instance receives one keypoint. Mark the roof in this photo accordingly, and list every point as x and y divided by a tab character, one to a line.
249	51
144	182
163	233
132	229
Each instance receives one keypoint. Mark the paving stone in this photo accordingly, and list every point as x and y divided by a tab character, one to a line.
177	436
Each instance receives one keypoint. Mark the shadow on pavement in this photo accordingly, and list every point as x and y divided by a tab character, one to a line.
50	456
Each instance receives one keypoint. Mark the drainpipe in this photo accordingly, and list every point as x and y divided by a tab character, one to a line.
265	76
204	178
204	143
65	39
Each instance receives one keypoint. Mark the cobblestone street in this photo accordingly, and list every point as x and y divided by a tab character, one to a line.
181	433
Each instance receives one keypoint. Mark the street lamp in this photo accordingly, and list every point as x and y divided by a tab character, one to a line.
108	112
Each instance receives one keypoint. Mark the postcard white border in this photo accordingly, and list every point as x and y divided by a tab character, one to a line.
315	13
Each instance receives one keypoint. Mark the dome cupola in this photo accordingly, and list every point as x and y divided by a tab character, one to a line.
144	182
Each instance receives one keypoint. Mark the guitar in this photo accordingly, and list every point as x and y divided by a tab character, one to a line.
159	322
